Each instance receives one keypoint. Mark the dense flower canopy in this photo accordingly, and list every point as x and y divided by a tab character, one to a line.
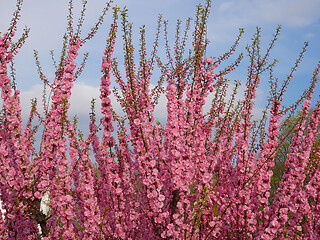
204	175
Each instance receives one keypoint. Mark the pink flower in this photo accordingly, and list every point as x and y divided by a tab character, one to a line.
161	198
208	60
136	121
207	177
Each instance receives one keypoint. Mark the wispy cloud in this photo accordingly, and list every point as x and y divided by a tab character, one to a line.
80	101
231	15
82	94
293	13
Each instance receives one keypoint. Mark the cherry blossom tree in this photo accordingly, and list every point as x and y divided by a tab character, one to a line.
201	175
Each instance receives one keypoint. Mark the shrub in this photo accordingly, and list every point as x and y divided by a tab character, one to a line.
204	175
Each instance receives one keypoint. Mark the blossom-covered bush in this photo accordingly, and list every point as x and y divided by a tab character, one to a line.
202	175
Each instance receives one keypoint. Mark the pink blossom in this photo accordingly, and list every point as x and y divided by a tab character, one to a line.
208	60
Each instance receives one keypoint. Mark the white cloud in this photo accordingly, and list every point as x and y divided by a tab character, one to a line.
80	100
161	109
83	93
25	99
256	111
310	35
294	13
225	6
228	16
81	97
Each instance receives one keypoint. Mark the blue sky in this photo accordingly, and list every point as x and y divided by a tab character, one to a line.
300	20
